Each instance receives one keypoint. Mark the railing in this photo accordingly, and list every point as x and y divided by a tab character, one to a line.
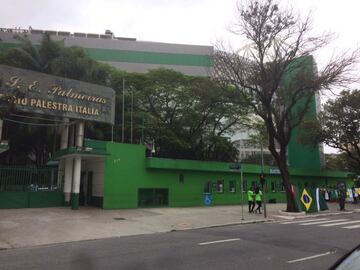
107	35
21	178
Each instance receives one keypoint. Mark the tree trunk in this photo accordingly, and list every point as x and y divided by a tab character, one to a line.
291	205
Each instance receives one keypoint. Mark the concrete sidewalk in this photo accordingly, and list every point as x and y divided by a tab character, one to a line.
31	227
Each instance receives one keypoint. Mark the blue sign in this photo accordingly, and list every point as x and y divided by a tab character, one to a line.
208	199
235	167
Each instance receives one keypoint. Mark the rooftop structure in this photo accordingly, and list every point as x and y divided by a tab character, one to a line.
127	54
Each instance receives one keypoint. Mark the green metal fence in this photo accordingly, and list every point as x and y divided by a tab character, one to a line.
29	187
20	178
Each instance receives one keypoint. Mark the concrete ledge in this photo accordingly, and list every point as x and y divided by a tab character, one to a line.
292	214
243	222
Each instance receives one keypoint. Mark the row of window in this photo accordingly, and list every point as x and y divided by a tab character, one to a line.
219	186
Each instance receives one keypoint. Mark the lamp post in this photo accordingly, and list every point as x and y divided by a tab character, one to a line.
242	193
123	111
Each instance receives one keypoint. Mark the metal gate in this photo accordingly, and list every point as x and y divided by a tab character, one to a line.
29	187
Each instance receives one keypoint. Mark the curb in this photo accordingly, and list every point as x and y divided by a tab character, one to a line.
226	224
322	215
292	214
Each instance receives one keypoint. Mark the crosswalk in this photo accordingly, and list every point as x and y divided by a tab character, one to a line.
343	223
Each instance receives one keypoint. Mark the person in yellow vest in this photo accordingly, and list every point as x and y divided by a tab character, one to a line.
251	199
258	199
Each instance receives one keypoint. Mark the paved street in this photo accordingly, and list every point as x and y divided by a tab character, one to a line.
310	243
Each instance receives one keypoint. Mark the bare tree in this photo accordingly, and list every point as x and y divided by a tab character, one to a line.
276	73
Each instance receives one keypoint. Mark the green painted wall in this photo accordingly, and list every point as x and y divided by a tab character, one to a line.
29	199
141	57
302	155
127	169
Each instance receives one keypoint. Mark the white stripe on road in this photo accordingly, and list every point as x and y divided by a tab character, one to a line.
351	227
311	257
340	223
322	222
219	241
300	221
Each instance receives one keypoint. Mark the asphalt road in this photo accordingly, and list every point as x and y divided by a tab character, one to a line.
308	244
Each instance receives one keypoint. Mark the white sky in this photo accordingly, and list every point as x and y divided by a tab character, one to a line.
176	21
201	22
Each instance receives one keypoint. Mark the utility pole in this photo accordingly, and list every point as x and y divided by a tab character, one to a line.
242	192
123	111
131	117
264	180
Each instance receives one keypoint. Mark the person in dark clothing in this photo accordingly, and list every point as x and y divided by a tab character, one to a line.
342	197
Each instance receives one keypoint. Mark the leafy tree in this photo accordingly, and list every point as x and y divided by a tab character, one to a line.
187	117
33	143
276	74
340	162
29	56
338	126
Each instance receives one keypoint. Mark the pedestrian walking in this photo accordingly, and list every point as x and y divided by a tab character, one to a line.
355	194
342	197
251	199
258	199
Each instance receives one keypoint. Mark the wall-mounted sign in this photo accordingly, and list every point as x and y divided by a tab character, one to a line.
52	95
235	167
274	171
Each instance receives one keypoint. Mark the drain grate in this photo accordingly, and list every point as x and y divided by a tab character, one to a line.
119	218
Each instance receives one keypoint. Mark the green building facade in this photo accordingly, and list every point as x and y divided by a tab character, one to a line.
131	180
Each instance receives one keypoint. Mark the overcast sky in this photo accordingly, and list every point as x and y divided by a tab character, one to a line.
201	22
176	21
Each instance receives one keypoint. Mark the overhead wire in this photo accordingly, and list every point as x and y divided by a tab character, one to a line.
40	124
38	118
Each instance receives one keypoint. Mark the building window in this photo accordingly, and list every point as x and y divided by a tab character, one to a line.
181	178
273	187
207	187
232	184
282	187
244	186
253	184
220	186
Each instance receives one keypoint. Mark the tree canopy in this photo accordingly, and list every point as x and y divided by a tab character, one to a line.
184	116
338	126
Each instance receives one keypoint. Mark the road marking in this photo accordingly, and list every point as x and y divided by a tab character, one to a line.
219	241
300	221
340	223
311	257
351	227
322	222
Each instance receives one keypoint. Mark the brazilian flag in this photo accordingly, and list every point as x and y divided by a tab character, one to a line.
310	200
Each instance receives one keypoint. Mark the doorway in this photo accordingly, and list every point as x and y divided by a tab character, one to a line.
86	189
